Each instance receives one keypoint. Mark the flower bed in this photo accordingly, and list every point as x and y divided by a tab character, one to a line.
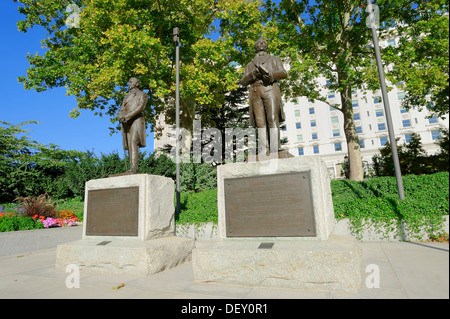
64	218
11	221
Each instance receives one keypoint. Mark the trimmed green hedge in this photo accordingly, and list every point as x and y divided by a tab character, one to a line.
426	200
13	223
196	208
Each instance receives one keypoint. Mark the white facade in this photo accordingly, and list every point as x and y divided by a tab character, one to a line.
317	129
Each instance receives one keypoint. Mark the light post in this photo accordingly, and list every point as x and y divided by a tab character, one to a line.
371	24
176	39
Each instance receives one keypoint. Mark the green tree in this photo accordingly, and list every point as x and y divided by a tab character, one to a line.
117	39
27	167
421	58
330	39
412	157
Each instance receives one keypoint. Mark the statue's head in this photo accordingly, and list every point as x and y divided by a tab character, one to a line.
133	83
261	45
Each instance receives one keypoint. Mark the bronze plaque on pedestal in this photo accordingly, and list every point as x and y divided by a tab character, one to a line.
113	212
277	205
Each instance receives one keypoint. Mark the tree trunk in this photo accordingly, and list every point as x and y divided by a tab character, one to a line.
353	146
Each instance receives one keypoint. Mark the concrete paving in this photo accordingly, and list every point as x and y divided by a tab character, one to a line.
407	270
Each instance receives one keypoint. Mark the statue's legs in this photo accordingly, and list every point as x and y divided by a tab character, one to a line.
259	115
133	150
273	122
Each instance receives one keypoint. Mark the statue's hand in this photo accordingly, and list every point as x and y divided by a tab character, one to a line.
255	74
267	79
122	119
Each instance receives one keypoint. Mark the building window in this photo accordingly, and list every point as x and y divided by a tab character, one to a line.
355	103
354	91
356	117
313	123
402	109
331	95
401	95
377	99
298	125
283	128
359	129
300	151
379	113
432	120
381	126
334	120
311	110
391	42
336	132
406	123
314	136
299	138
297	112
361	144
383	140
337	147
435	135
408	138
316	149
328	83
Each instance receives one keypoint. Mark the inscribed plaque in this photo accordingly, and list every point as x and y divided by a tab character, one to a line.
277	205
113	212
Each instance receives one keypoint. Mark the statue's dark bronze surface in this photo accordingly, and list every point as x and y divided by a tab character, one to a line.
133	122
277	205
113	212
266	106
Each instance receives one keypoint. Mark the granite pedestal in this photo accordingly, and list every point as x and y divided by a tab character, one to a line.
128	228
276	221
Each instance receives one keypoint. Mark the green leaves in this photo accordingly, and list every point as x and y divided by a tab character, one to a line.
197	208
123	38
426	202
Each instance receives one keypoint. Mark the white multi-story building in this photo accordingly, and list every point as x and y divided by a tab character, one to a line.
317	129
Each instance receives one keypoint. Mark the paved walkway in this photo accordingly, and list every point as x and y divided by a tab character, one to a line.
406	270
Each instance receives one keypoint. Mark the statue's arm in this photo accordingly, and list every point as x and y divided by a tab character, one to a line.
279	72
121	115
250	76
141	103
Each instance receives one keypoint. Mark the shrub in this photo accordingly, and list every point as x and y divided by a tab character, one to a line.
426	200
13	222
41	206
196	208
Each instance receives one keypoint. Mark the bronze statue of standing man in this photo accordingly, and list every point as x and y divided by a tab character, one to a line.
266	106
133	122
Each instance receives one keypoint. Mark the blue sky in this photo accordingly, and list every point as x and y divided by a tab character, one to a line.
51	108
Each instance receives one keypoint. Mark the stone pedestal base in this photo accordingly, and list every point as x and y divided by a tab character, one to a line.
330	265
128	228
133	257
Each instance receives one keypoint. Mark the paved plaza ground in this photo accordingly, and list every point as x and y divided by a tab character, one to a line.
407	270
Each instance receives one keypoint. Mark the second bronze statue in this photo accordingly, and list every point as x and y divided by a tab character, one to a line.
266	106
133	122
